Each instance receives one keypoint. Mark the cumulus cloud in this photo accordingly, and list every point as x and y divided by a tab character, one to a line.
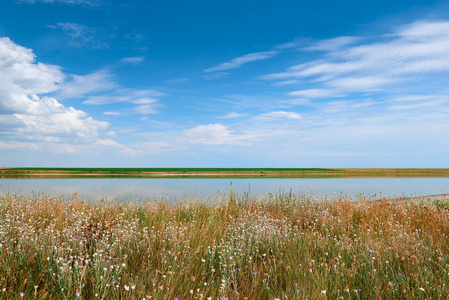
22	79
239	61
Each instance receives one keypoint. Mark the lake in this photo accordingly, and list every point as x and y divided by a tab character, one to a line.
208	189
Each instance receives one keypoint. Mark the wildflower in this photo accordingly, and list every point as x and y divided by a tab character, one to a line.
21	294
77	294
421	289
323	292
126	287
310	270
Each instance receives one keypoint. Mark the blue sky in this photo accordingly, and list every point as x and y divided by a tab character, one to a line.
224	83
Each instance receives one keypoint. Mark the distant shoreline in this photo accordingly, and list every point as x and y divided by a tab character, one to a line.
218	172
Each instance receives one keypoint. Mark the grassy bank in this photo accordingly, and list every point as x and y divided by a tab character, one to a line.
282	246
216	172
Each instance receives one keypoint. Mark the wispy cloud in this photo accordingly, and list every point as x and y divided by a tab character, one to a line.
142	102
233	115
316	93
333	44
178	80
276	115
80	85
294	44
133	60
82	36
126	95
214	75
413	52
88	3
214	134
135	36
240	61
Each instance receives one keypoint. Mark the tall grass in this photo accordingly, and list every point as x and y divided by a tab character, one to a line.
276	247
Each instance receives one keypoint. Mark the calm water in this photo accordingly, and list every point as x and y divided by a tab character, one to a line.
173	189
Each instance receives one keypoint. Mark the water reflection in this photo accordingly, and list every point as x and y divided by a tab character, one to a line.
208	189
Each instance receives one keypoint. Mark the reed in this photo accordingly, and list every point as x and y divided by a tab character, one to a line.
279	246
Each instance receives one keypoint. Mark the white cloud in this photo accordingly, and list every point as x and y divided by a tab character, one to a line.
59	120
233	115
20	74
276	115
40	118
424	29
214	134
239	61
133	60
80	85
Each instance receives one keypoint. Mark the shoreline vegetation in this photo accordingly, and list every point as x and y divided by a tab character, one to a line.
280	246
216	172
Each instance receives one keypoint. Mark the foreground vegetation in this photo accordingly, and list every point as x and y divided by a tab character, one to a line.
276	247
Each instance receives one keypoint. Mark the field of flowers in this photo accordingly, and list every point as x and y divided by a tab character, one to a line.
280	246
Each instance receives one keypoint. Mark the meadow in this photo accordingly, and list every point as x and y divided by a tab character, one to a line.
278	246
